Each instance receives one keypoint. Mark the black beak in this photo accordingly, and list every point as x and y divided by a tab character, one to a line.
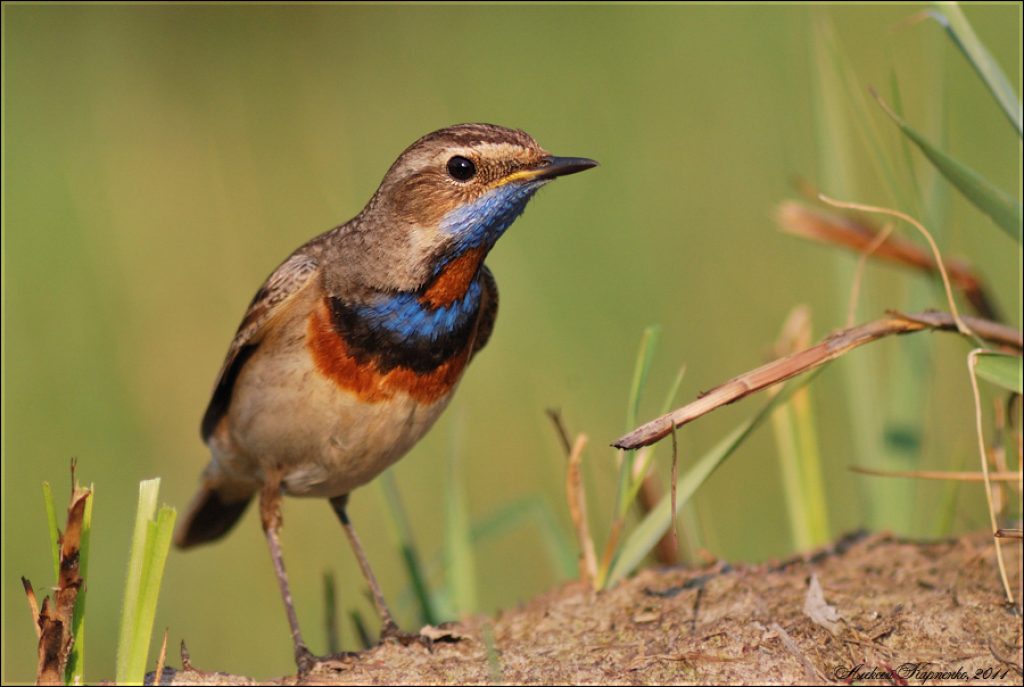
561	166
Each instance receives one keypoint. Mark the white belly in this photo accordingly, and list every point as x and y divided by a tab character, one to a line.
325	441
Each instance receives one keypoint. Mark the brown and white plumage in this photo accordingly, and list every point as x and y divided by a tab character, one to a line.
354	345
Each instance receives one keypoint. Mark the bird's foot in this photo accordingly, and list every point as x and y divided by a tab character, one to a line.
390	633
305	660
308	662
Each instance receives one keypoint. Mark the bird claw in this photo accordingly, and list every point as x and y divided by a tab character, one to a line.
391	634
308	662
305	660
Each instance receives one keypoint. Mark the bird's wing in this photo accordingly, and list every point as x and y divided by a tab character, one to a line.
287	280
488	310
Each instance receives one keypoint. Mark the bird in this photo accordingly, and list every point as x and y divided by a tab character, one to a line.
354	345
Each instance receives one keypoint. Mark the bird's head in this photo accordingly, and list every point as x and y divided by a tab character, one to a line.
453	191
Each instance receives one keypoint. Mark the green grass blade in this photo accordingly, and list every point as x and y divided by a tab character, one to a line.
944	517
844	111
643	539
673	391
560	546
531	509
846	133
952	18
460	566
1004	210
1002	370
651	528
51	525
788	450
810	463
75	670
331	613
636	484
800	461
641	369
907	157
909	385
493	656
158	544
691	535
402	531
126	647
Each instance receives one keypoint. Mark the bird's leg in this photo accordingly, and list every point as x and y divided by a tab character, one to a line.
388	626
270	513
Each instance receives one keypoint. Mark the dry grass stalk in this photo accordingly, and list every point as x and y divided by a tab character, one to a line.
860	236
577	499
158	674
832	347
54	619
972	361
955	476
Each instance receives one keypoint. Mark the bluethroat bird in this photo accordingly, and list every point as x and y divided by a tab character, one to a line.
351	349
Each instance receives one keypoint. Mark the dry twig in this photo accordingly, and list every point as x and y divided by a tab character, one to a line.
832	347
952	475
972	361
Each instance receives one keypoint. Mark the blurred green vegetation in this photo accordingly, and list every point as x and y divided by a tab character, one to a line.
159	161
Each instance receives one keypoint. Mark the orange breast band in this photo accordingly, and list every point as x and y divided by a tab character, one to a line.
333	360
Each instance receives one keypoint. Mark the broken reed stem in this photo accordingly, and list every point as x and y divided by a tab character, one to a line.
186	659
961	476
54	621
560	430
161	660
33	605
53	647
972	361
829	349
577	500
576	496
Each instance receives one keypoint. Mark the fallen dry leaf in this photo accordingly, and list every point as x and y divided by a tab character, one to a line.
818	610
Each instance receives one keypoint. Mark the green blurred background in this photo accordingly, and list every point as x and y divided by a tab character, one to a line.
160	161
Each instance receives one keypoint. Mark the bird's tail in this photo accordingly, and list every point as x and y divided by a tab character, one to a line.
210	515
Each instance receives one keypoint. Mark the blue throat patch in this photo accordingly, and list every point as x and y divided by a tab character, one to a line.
404	315
479	224
482	222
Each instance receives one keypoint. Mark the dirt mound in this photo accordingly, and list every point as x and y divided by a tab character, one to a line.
873	609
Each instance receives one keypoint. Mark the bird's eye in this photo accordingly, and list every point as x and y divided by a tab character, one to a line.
461	169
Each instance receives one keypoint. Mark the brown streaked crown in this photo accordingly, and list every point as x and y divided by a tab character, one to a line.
418	187
395	242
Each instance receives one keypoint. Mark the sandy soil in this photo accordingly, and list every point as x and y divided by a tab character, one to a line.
889	612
